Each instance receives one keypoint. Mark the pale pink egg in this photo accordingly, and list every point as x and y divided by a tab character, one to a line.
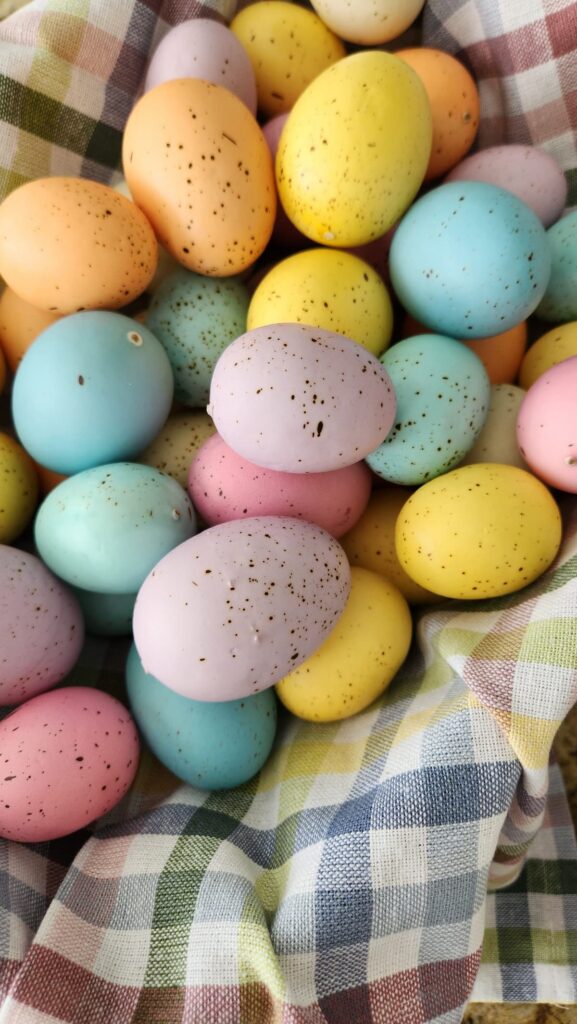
284	233
547	426
224	486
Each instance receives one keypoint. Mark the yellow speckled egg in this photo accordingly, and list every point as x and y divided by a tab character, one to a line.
326	288
479	531
288	47
178	442
354	149
20	324
68	244
371	542
198	164
18	489
360	657
551	348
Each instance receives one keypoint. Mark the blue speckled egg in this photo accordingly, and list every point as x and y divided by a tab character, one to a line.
443	394
94	387
106	528
195	318
559	303
470	260
213	746
106	614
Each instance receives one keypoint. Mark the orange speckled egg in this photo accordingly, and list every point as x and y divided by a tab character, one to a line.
20	324
18	489
288	46
454	103
68	244
197	163
501	354
2	370
49	478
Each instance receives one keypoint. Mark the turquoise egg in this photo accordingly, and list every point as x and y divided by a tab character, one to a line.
212	746
195	318
106	614
470	260
94	387
559	303
443	396
104	529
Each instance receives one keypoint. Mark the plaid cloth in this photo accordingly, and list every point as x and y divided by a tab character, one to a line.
348	881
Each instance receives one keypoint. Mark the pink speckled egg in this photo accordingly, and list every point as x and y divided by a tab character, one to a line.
300	399
231	611
224	486
284	233
66	758
41	627
547	426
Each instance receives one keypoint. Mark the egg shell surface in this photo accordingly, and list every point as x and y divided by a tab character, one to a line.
68	244
288	47
68	756
2	370
528	172
20	324
369	24
478	531
559	303
18	488
228	613
358	659
195	318
106	614
277	397
329	289
470	260
497	441
41	627
354	149
198	165
174	448
223	486
284	234
551	348
209	745
443	397
203	48
501	354
370	544
547	426
95	387
105	528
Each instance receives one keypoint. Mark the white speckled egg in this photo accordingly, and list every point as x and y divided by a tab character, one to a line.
300	400
229	612
370	23
173	450
497	441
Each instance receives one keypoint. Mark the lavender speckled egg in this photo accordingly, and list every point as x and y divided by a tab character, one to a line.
41	627
470	260
559	303
231	611
300	399
66	758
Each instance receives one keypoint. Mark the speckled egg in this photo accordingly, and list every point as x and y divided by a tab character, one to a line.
68	244
95	387
105	528
2	370
329	289
203	48
229	612
224	486
68	757
41	627
551	348
501	354
359	658
195	318
18	488
470	260
478	531
443	395
284	234
198	166
173	450
20	324
209	745
371	542
497	441
106	614
547	426
530	173
288	47
354	150
559	303
368	24
278	398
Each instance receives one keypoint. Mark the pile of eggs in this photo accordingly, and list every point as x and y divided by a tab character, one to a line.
273	390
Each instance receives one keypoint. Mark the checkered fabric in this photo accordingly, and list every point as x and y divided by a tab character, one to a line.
348	881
